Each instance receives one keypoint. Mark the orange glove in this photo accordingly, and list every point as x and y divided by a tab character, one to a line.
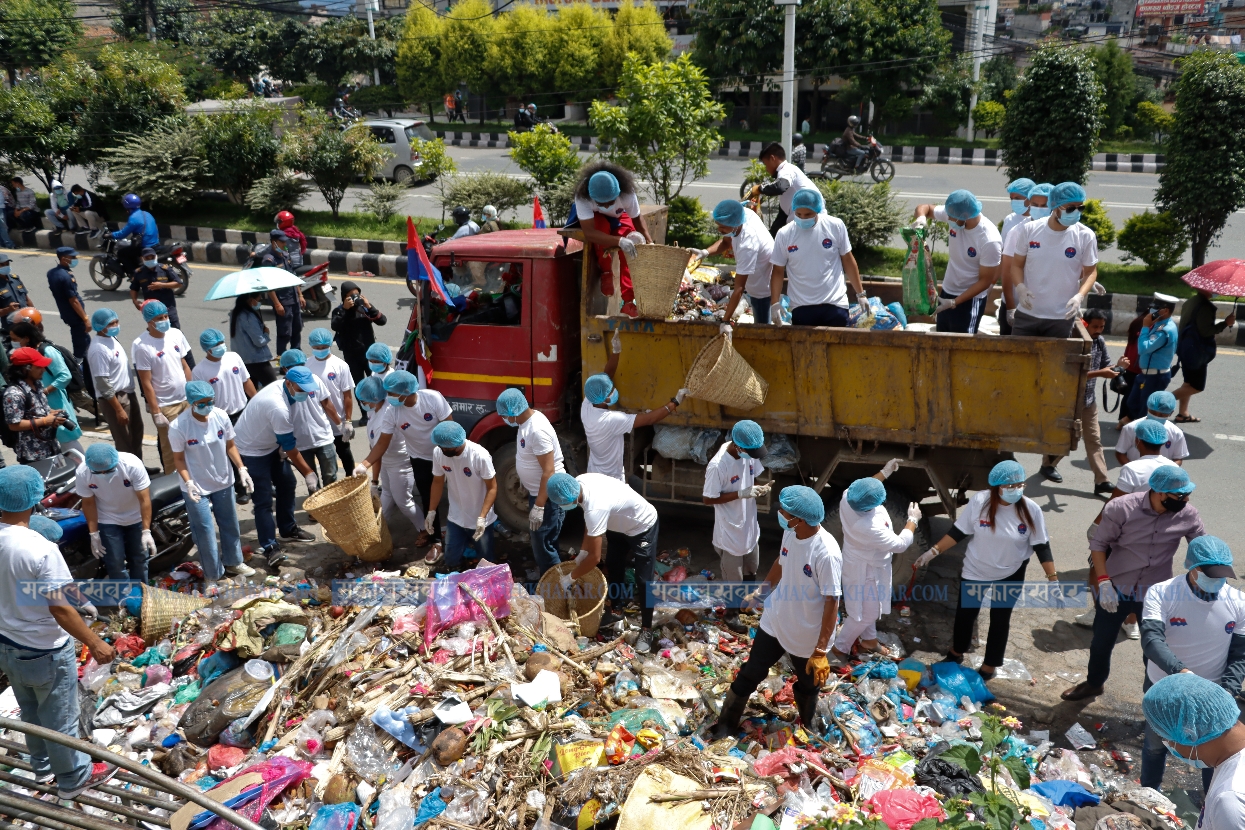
819	667
755	192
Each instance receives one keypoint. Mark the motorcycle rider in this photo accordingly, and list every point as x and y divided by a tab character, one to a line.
140	224
488	220
855	150
116	501
154	281
298	250
788	180
287	303
466	227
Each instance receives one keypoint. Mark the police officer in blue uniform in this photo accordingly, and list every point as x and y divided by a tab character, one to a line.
142	226
69	303
287	303
153	281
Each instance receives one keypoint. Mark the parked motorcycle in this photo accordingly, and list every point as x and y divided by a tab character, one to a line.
837	166
109	269
316	288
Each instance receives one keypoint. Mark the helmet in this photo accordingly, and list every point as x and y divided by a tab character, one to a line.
461	215
31	314
284	219
853	121
797	139
132	202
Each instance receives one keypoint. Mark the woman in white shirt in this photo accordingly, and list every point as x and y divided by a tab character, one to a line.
1006	529
388	463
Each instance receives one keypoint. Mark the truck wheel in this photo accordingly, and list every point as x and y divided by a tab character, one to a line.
511	504
896	505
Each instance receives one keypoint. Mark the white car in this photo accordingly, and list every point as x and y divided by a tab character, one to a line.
396	135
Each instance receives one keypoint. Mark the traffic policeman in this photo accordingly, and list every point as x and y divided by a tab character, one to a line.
13	294
288	303
153	281
64	287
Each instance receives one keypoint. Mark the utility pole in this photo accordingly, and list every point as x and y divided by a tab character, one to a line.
983	15
371	30
788	70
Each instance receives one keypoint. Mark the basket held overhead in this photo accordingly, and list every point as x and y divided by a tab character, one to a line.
719	374
656	274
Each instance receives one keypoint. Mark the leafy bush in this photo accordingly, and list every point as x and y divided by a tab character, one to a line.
376	99
240	147
227	90
988	116
545	155
434	161
280	191
688	224
475	190
314	95
1155	120
1094	217
871	212
332	157
384	200
557	202
166	165
1157	239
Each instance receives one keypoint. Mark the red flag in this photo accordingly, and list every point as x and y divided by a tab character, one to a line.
538	215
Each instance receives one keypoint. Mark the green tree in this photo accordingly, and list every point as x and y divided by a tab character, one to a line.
519	53
998	77
637	30
174	21
739	42
165	164
663	127
284	45
235	41
988	116
465	37
419	57
328	50
1203	183
331	156
32	136
475	190
1154	120
948	91
239	147
1054	117
575	51
904	40
1157	239
368	54
34	32
545	155
1114	68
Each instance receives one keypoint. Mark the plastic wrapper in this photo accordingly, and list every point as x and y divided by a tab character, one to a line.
237	734
336	817
224	757
707	440
1066	765
782	456
366	754
625	682
961	681
920	284
94	676
448	606
947	778
674	443
341	650
901	809
469	806
618	745
430	806
395	811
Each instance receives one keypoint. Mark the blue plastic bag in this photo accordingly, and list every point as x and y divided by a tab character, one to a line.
881	669
1065	793
430	807
217	664
336	817
960	681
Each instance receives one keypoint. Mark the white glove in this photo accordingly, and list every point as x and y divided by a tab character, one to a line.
1011	316
944	304
160	420
680	395
248	483
348	430
428	522
97	545
1108	597
616	342
920	222
775	314
360	469
626	246
88	611
481	526
1056	596
535	517
889	468
748	493
760	491
700	253
312	481
566	582
925	558
579	559
1073	309
726	329
863	299
149	544
194	492
374	490
1024	297
1099	289
914	512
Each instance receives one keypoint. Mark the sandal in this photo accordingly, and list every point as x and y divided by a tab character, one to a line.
1187	419
986	675
434	555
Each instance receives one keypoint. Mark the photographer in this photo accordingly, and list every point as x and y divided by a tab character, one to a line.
26	407
352	322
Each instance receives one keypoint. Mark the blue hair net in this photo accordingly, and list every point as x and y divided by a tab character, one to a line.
1161	403
1021	187
370	389
562	488
293	357
1007	472
21	488
962	205
100	457
803	503
102	318
1151	432
747	435
1171	479
511	403
865	494
808	198
210	338
379	353
1064	193
1042	189
46	528
401	382
448	434
600	389
1190	710
197	390
1207	550
603	187
153	309
320	337
729	212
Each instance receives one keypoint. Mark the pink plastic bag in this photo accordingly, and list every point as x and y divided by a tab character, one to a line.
901	809
776	763
448	606
278	772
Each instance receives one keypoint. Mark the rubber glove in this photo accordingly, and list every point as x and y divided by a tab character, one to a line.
863	299
97	545
920	222
889	468
566	581
160	420
626	246
616	342
535	517
481	526
360	469
1024	297
699	253
754	192
1011	316
775	314
747	493
248	483
726	329
149	544
88	611
428	522
312	481
348	430
1073	309
579	559
194	492
1108	597
914	512
925	558
1055	595
819	667
756	491
944	304
1098	288
680	395
374	490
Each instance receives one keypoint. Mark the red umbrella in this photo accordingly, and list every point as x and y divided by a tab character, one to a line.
1225	277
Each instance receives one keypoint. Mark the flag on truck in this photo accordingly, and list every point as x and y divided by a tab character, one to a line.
419	268
538	215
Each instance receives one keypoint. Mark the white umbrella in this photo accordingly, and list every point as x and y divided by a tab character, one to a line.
251	281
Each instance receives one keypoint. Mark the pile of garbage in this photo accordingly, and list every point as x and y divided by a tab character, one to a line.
391	702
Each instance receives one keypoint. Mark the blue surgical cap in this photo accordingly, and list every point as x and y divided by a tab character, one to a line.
1065	193
865	494
599	389
101	457
21	488
46	528
808	198
102	318
197	390
729	212
379	353
562	488
1152	432
962	205
511	403
1021	187
603	187
1207	550
1007	472
449	435
370	389
1189	710
1171	479
1042	189
1161	403
293	357
747	435
302	377
153	309
401	382
803	503
210	338
320	337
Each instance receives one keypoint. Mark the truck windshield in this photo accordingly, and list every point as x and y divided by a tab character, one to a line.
493	291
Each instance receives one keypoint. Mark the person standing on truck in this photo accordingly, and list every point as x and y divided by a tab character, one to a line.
813	253
1035	210
1156	349
1054	267
419	412
1197	320
788	181
538	457
745	238
975	251
607	211
388	463
1159	407
731	489
466	469
1018	194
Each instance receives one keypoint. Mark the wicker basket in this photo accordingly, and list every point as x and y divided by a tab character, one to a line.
720	375
656	274
162	608
383	549
576	605
344	510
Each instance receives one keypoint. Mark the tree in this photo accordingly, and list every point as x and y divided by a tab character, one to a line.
1157	239
988	116
368	54
165	164
465	37
1054	118
1203	182
739	42
332	157
518	55
173	20
1114	68
637	30
236	40
998	77
419	57
902	41
328	50
948	91
1154	120
34	32
663	128
239	147
32	137
575	51
284	45
545	155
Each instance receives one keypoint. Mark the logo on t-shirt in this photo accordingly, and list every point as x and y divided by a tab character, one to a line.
235	371
1230	627
94	486
220	433
784	552
1034	245
159	354
522	442
953	234
177	349
467	472
213	380
447	469
791	249
427	416
126	482
808	569
734	479
1177	621
332	375
972	251
1022	529
404	426
1069	252
983	523
827	243
192	442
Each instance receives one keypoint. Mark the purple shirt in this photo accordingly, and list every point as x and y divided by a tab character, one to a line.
1142	543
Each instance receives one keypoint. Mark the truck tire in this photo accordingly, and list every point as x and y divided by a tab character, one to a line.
896	505
511	504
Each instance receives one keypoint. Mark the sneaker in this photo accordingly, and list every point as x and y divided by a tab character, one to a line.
644	642
299	535
101	773
1085	620
1132	631
608	619
240	570
1104	487
1051	474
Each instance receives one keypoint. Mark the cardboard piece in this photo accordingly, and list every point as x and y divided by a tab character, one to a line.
222	793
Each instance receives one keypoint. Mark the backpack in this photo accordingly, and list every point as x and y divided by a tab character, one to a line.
1193	351
77	383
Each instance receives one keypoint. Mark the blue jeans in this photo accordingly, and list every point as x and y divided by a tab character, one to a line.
269	472
327	456
457	539
124	557
545	540
46	687
215	559
760	309
1145	386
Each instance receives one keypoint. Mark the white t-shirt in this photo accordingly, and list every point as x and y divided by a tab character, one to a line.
384	421
1176	448
417	422
265	417
115	502
868	537
25	556
1198	632
227	376
753	247
814	261
609	504
996	553
604	429
334	373
1013	221
812	570
464	478
204	444
312	427
1053	263
536	437
735	527
1135	475
163	356
1224	806
788	172
969	250
627	202
107	360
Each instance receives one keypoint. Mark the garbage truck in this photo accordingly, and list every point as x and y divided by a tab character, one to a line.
950	406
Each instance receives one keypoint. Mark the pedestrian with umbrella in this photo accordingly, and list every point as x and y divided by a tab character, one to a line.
248	336
1196	347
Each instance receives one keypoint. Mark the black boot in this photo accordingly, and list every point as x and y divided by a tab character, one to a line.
728	722
807	706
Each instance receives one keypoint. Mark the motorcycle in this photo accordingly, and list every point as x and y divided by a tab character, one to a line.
836	166
316	288
109	268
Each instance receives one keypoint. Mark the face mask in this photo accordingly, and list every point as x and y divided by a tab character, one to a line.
163	326
1192	762
806	223
1172	505
1070	217
394	400
569	507
6	269
744	454
255	304
377	368
1019	206
322	354
783	523
149	263
1154	312
112	331
203	408
1039	212
613	398
510	422
73	263
733	233
1011	495
451	453
217	351
1208	584
299	396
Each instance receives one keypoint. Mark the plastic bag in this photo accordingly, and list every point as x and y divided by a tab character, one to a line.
448	606
430	806
468	807
782	454
367	756
960	681
395	811
901	809
674	443
704	445
336	817
947	778
920	289
94	676
341	649
618	745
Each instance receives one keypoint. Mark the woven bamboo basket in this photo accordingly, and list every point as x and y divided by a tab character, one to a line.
583	605
720	375
161	608
383	549
344	511
656	274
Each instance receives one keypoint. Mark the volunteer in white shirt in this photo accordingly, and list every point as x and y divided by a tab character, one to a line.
1148	442
1035	210
388	463
1054	266
975	250
537	457
1192	623
466	469
788	180
379	360
869	544
113	381
1160	406
1018	194
607	210
610	505
419	412
159	355
800	612
263	433
604	427
116	502
1197	722
225	371
749	243
814	254
335	374
1007	528
206	455
315	419
731	488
